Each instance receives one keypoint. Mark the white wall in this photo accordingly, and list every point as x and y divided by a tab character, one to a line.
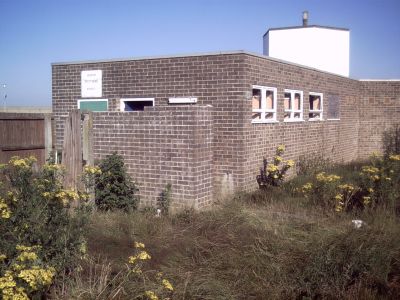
320	48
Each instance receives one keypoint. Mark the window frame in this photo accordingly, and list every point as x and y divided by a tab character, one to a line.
293	111
123	100
263	110
93	100
316	111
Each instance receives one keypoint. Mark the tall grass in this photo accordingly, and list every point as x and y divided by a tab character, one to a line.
273	250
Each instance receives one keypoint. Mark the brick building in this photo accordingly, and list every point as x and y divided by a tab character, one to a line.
204	122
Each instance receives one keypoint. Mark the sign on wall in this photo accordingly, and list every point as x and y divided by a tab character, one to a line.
91	83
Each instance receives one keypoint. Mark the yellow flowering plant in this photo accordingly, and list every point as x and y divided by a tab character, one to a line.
35	208
273	174
157	286
327	190
380	180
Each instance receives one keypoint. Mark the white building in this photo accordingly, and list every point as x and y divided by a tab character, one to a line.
321	47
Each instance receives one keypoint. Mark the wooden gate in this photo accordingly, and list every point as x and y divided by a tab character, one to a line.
77	149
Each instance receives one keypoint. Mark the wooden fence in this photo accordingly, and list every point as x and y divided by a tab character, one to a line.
25	134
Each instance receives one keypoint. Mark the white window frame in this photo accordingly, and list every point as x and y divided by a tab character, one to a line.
292	111
89	100
123	100
263	110
317	111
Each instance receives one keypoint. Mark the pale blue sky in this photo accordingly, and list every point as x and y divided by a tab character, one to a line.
35	33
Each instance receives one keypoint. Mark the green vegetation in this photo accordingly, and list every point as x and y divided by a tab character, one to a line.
114	189
330	233
41	235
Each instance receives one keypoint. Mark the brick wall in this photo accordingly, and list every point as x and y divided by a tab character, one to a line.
379	110
215	80
161	145
225	82
335	139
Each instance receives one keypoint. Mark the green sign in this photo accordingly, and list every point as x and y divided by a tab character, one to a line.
93	105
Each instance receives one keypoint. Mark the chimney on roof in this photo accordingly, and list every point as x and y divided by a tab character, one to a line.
305	18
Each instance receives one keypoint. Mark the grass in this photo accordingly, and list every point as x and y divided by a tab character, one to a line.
243	252
261	245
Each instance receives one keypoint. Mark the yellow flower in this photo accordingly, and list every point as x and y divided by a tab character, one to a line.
369	169
151	295
366	200
46	194
132	259
323	177
37	277
339	208
290	163
167	285
346	187
14	293
11	196
272	168
5	212
26	256
395	157
278	158
2	257
339	197
388	178
306	188
371	190
52	167
139	245
92	170
281	148
143	255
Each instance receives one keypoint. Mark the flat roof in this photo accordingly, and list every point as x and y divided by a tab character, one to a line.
305	27
208	54
194	55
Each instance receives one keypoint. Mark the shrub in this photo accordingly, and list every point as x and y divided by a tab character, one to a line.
273	174
41	236
114	188
380	181
164	200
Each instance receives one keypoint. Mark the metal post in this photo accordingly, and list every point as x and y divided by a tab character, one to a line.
5	95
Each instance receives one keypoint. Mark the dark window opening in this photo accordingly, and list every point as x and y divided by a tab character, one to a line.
137	105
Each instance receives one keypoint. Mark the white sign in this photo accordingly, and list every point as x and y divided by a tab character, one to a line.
182	100
91	84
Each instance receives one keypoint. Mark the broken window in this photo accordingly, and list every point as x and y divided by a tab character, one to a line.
316	106
293	104
135	104
263	104
333	107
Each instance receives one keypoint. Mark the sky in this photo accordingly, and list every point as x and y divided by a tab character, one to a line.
36	33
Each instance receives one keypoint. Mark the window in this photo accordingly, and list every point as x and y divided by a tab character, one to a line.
263	104
316	106
293	103
135	104
333	107
93	104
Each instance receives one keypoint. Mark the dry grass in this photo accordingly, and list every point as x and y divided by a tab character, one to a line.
273	250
